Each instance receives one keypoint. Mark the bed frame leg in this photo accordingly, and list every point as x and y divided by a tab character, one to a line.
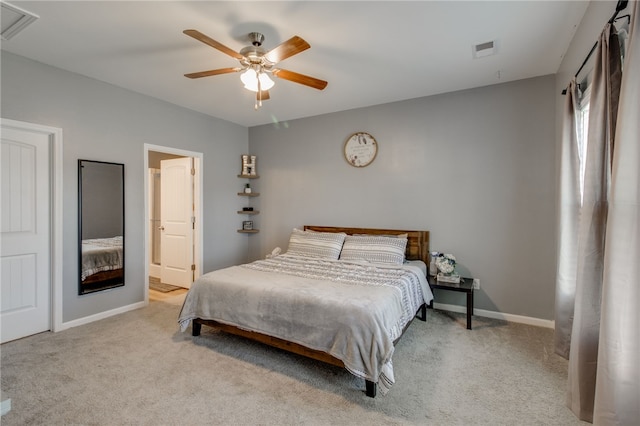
196	327
423	313
371	388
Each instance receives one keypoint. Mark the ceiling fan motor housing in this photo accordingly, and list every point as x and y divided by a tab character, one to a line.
254	54
256	39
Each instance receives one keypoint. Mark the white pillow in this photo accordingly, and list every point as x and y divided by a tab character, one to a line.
326	245
375	249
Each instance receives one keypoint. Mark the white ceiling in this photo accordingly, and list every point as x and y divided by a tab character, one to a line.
369	52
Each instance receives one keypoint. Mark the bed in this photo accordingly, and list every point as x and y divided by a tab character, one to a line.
101	262
343	296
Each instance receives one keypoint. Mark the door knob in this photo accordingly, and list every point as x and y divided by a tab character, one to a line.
161	228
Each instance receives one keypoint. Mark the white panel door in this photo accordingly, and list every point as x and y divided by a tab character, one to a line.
25	206
176	219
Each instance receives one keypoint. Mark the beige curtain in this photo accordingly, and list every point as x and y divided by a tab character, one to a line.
604	352
568	216
583	353
617	394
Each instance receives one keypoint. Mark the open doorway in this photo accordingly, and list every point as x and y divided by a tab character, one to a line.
173	235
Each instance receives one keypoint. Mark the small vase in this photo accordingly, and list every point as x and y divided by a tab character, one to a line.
433	268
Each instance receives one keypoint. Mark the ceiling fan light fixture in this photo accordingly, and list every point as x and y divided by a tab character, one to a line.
250	80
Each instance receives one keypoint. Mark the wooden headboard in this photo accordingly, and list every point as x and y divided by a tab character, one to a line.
417	241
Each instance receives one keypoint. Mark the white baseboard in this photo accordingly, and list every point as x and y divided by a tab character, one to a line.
101	315
154	270
538	322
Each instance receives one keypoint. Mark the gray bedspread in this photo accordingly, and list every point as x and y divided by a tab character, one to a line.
353	311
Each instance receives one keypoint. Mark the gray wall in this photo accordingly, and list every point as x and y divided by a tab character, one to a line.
106	123
474	167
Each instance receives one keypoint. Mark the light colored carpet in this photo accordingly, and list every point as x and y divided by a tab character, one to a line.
138	368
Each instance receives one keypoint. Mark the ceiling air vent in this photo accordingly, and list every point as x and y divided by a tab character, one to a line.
481	50
14	20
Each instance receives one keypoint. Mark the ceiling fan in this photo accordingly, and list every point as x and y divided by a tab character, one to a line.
256	63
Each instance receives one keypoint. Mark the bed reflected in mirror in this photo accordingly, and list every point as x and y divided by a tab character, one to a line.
100	225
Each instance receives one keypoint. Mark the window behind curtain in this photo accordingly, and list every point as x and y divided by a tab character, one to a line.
583	107
583	127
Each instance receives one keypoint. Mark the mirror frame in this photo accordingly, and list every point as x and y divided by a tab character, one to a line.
107	277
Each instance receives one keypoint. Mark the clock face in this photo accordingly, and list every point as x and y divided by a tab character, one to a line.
360	149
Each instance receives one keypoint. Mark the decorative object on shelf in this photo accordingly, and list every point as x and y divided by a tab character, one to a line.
360	149
247	225
247	188
433	268
446	264
448	278
249	167
247	209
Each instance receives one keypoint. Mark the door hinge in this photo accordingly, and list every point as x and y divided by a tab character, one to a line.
193	171
193	266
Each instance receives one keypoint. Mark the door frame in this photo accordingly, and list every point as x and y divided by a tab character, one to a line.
56	224
198	198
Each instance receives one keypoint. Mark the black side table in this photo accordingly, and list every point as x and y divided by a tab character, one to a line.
465	286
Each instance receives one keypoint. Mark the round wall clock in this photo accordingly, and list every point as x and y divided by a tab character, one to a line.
360	149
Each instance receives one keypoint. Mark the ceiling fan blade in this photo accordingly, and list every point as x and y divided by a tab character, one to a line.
212	72
291	47
211	42
300	78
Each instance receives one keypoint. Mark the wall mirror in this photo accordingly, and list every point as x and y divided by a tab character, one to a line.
100	225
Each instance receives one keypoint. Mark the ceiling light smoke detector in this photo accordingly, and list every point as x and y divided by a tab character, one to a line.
481	50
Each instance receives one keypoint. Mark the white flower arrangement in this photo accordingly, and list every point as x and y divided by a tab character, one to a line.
446	263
